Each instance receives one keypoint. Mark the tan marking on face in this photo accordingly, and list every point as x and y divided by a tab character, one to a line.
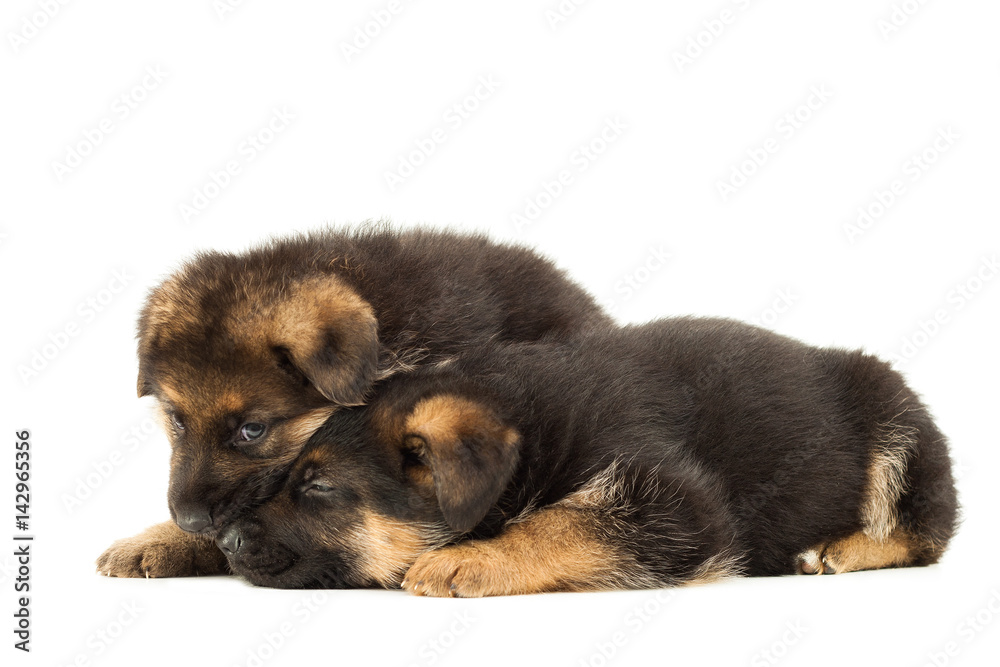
161	415
388	547
387	423
287	438
300	429
228	402
175	397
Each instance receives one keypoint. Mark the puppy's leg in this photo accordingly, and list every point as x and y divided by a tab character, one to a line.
909	511
881	543
163	550
861	552
556	548
614	533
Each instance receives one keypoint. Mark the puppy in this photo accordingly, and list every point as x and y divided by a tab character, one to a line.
248	354
672	453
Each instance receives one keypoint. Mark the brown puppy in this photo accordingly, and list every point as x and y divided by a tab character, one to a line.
248	354
670	453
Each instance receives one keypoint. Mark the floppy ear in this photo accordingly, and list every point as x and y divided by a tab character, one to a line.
146	337
471	453
144	386
330	335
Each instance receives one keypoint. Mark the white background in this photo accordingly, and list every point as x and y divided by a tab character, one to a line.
776	250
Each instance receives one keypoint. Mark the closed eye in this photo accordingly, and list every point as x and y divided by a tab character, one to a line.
177	421
317	488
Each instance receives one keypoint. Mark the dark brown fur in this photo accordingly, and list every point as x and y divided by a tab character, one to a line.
671	453
281	335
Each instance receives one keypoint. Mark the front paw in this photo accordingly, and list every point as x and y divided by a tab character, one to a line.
464	570
812	562
161	551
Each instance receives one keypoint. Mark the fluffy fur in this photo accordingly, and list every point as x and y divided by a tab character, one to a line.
247	354
671	453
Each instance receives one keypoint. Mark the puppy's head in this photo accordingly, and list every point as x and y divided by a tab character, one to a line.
247	361
369	495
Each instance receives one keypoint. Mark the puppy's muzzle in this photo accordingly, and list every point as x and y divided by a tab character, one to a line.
195	520
230	539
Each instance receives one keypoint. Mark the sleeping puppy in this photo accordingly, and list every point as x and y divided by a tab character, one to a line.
672	453
248	354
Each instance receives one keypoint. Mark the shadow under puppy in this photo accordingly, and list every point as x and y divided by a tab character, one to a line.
665	454
248	354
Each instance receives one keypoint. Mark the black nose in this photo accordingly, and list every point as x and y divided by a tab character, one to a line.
194	521
230	540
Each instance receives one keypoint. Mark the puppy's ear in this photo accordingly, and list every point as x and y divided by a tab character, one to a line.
144	385
330	335
470	451
150	320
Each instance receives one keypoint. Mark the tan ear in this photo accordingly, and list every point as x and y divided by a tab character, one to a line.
330	335
472	455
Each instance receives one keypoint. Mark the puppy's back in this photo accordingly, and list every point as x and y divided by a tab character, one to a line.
810	441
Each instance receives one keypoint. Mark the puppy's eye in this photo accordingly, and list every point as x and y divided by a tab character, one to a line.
252	431
319	488
177	421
